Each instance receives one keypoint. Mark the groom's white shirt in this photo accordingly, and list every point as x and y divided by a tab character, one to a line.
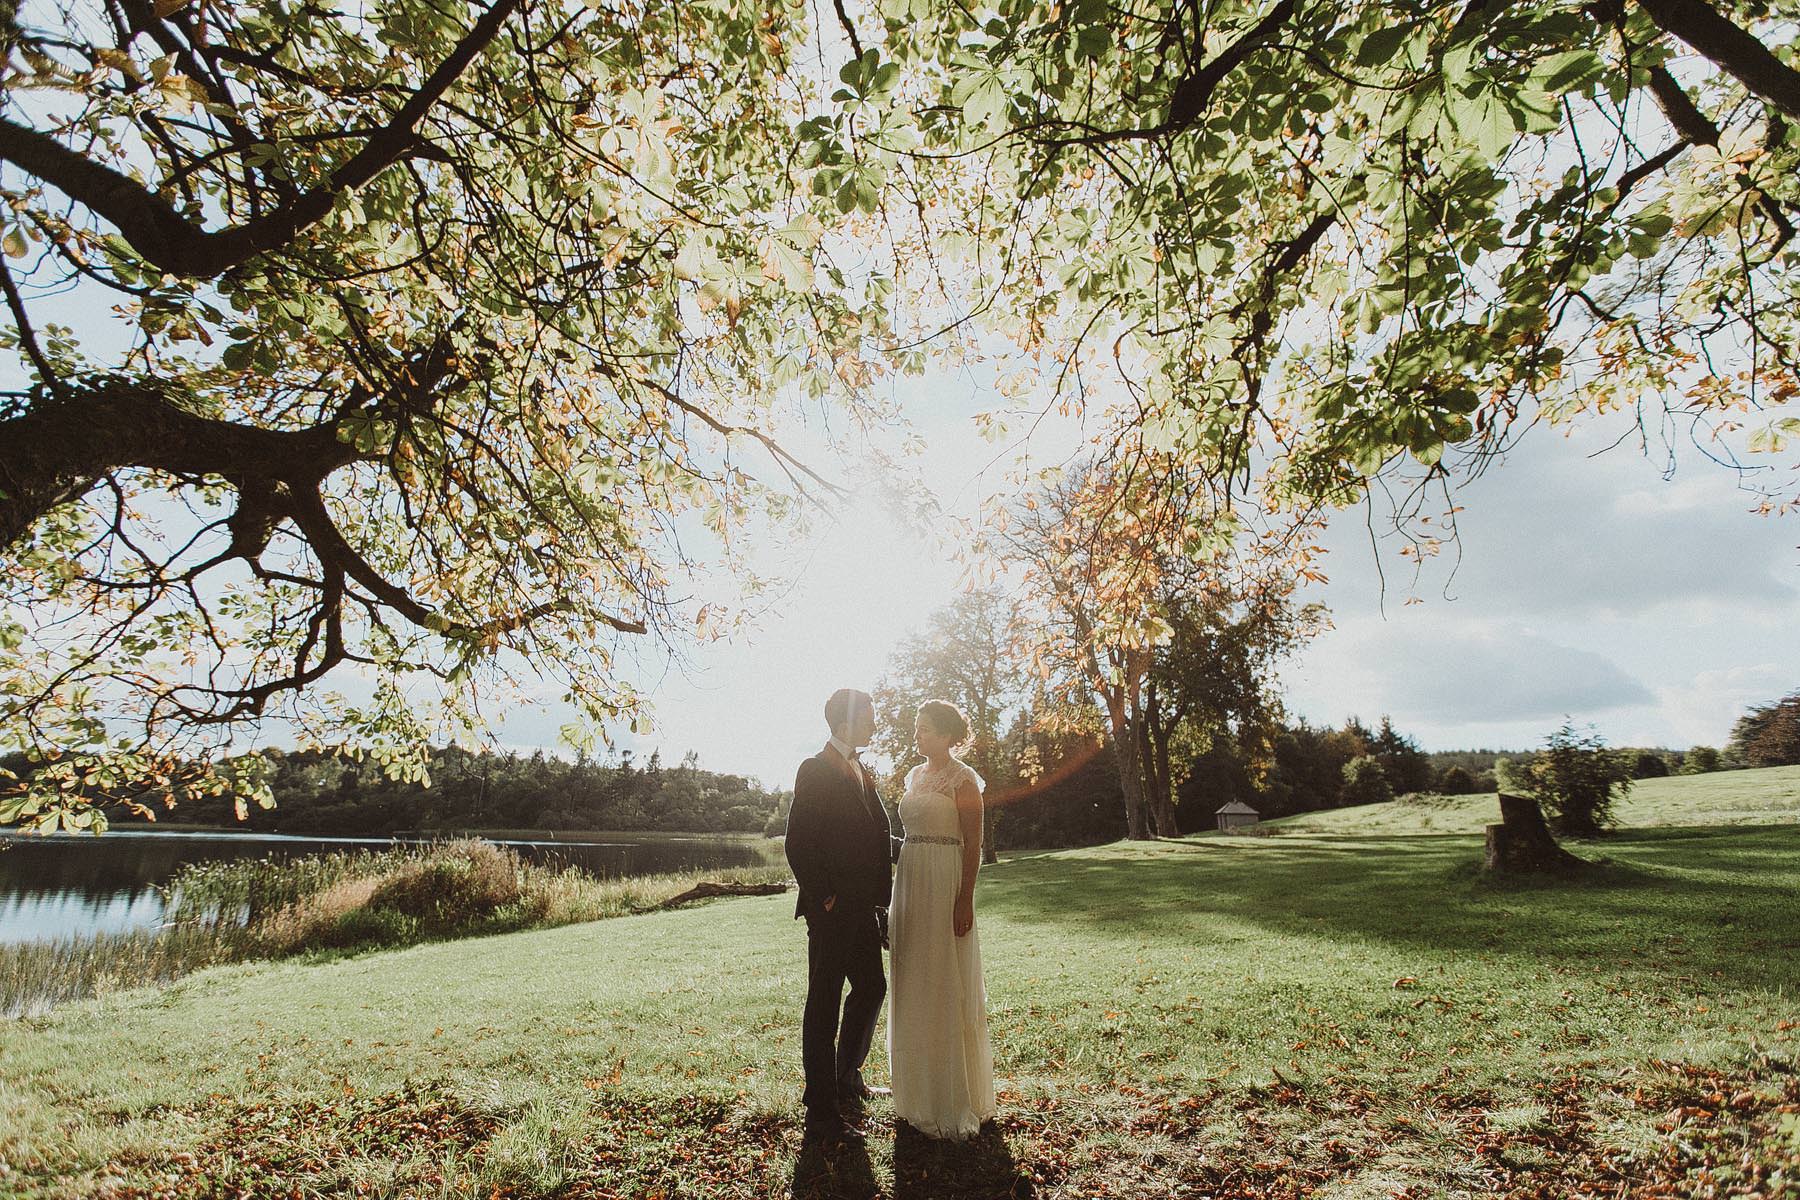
845	748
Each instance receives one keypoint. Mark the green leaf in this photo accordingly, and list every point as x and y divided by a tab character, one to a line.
1572	71
1380	46
1092	42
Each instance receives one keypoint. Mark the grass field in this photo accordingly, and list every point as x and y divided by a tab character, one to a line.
1769	797
1342	1010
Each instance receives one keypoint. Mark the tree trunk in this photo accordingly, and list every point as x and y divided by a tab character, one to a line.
1154	731
1165	787
707	889
1140	715
980	712
1131	775
1522	841
1137	824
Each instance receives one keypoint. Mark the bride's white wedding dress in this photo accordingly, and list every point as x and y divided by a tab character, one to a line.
938	1052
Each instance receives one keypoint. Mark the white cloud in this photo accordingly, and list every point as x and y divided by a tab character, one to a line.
1692	708
1442	671
1587	585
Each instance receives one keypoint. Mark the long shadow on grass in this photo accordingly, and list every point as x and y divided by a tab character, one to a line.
982	1168
1700	900
842	1174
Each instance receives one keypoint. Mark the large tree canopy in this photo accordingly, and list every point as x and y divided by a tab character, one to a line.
392	344
1304	244
398	344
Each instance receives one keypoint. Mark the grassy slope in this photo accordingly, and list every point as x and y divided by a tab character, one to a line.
1346	1013
1768	797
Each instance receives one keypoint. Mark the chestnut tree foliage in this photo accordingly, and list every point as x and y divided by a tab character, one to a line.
1308	245
386	346
1157	651
1285	255
398	344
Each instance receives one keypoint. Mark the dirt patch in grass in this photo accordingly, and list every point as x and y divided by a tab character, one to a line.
1714	1135
309	1148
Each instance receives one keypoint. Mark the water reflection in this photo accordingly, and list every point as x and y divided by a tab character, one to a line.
65	886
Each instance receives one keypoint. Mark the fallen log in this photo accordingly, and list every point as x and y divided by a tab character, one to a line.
707	889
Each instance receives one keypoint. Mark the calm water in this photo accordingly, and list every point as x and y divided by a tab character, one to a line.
75	885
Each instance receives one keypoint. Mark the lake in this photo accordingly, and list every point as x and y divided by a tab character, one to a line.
75	885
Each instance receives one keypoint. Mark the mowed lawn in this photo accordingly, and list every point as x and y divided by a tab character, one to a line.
1344	1008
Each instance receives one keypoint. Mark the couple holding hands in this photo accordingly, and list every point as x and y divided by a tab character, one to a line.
863	889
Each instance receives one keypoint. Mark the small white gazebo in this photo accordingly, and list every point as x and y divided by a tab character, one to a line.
1237	815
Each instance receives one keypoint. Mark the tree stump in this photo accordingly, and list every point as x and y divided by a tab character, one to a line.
1522	841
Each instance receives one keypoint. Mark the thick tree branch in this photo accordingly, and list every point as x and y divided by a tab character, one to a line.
849	28
1192	93
60	448
169	241
1293	252
1696	129
1732	48
329	543
1682	113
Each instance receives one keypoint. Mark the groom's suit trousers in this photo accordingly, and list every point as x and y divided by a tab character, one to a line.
841	947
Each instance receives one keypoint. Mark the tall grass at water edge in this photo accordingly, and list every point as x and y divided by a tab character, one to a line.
222	912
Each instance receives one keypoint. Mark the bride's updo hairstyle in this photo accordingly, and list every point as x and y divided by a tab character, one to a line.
945	718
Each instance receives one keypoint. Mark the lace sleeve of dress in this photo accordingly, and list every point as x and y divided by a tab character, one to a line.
969	774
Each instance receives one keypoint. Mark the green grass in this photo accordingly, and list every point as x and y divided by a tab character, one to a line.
1337	1014
1765	797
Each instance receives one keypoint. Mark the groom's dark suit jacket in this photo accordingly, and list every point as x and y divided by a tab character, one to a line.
839	842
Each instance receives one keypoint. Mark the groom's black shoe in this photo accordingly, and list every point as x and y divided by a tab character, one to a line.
832	1135
855	1115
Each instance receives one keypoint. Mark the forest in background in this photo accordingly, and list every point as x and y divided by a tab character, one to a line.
320	792
1046	789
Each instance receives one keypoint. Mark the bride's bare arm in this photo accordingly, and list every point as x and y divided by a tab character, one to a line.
968	816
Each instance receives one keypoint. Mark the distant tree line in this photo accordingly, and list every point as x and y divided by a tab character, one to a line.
1047	787
321	792
1063	789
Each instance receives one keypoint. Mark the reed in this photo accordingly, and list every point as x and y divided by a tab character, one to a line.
35	976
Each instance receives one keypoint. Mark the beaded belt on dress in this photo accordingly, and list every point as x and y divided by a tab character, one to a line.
934	841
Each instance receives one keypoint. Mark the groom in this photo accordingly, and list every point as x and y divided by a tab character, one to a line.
839	846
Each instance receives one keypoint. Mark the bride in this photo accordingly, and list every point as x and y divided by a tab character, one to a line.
938	1052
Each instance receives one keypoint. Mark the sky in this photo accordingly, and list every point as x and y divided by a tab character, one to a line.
1589	586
